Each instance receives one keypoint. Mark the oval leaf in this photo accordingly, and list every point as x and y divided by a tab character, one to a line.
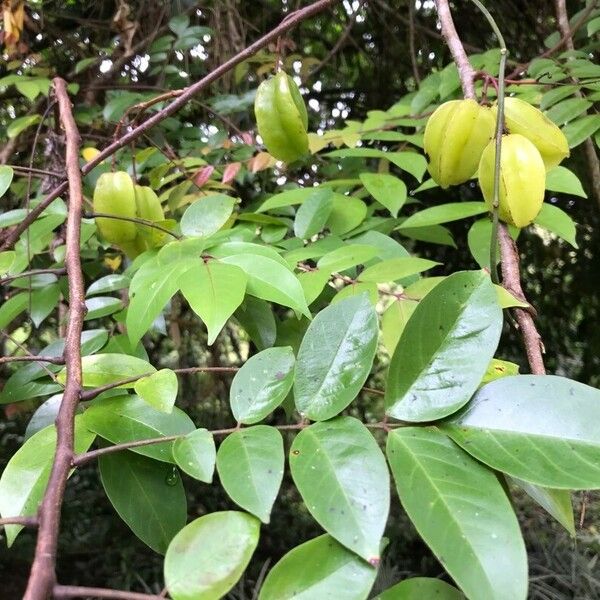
421	588
207	215
444	213
195	454
386	189
158	390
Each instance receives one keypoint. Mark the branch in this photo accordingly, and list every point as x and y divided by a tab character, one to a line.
288	23
465	70
137	220
42	576
33	272
55	360
76	591
25	521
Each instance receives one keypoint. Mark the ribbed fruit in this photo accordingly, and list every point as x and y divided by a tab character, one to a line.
455	136
523	118
281	118
522	179
150	209
114	195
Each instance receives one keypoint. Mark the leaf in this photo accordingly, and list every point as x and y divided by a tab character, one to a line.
558	222
269	280
25	477
313	214
12	307
357	289
313	283
262	384
539	428
433	234
121	419
445	349
394	321
148	495
228	249
579	130
158	390
560	179
335	358
507	300
479	239
43	302
347	213
291	197
207	215
101	306
342	477
256	317
461	511
320	568
386	189
208	556
21	124
195	454
102	369
499	368
6	177
567	110
345	257
394	269
214	291
108	283
445	213
250	465
555	502
6	260
411	162
420	588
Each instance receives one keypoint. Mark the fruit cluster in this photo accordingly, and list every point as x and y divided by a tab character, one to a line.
459	142
116	194
281	118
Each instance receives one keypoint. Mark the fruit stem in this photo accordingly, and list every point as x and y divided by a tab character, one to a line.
499	131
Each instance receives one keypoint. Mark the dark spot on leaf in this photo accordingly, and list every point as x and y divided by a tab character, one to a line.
295	452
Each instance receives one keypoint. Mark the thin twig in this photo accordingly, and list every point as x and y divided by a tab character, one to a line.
76	591
42	576
54	360
24	521
137	220
32	273
40	172
411	41
288	23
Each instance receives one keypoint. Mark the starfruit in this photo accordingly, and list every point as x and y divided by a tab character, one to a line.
455	136
522	179
281	118
525	119
150	209
115	195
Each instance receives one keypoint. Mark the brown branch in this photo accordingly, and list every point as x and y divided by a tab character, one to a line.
40	172
55	360
411	41
289	22
466	72
76	591
42	576
24	521
511	280
32	273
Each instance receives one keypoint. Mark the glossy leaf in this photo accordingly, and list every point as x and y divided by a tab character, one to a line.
6	177
313	214
560	179
460	509
445	348
250	466
386	189
444	213
256	317
12	308
108	283
558	222
335	358
345	257
195	454
158	390
313	283
214	291
25	477
147	494
262	384
101	306
539	428
347	213
320	568
128	418
421	588
394	321
394	269
580	129
413	163
43	302
207	215
358	289
341	474
208	556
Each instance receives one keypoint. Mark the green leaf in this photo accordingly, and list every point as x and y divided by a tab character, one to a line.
507	300
335	358
320	568
207	215
158	390
256	317
445	349
445	213
394	269
195	454
560	179
151	288
421	588
12	307
539	428
433	234
6	260
291	197
121	419
313	214
313	283
21	124
347	213
567	110
558	222
386	189
459	508
499	368
102	369
345	257
358	289
556	94
269	280
214	291
108	283
25	477
6	177
579	130
555	502
228	249
43	302
147	494
208	556
479	239
262	384
342	477
250	465
411	162
101	306
394	321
